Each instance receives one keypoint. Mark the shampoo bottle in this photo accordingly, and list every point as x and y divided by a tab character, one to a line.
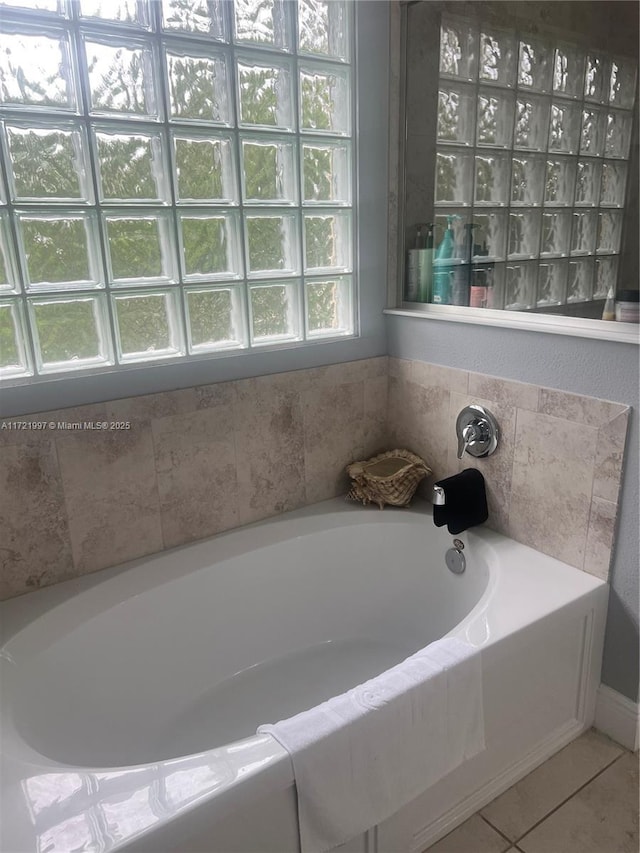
441	267
419	263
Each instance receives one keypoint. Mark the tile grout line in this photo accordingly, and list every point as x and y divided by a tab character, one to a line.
566	800
495	828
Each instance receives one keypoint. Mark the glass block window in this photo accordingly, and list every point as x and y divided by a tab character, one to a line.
533	140
176	179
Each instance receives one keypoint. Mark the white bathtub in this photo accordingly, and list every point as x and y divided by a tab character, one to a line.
130	698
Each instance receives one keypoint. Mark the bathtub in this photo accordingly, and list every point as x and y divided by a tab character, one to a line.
130	698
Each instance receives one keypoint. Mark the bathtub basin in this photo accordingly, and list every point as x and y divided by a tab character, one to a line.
130	699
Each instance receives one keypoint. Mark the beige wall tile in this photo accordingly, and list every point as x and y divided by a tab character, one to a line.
473	836
269	440
151	406
438	376
334	436
609	454
417	424
578	408
551	485
528	801
520	395
36	546
55	423
497	469
401	368
603	816
111	496
196	469
600	534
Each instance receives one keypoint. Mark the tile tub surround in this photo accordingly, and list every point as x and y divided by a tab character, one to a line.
554	481
194	462
202	460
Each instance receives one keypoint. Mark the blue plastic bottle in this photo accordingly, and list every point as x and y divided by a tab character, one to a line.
441	269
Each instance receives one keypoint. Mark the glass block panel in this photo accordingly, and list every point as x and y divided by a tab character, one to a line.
121	11
618	135
263	22
325	101
36	70
568	72
13	358
498	59
327	241
495	117
8	277
564	129
556	233
70	333
614	179
205	168
195	16
265	94
209	246
535	65
323	28
580	281
274	312
552	283
48	163
146	325
458	49
560	181
587	183
269	171
606	277
622	84
131	166
492	179
527	179
596	79
532	122
329	307
121	78
524	233
139	247
215	318
594	120
272	244
326	172
456	114
584	231
198	87
609	231
54	6
454	176
520	286
489	235
60	250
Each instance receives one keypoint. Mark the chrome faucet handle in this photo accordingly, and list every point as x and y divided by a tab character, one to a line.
466	438
438	496
477	431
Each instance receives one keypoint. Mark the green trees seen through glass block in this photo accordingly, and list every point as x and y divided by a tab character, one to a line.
67	330
143	323
56	250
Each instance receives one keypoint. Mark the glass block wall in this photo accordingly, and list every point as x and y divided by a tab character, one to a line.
533	140
176	178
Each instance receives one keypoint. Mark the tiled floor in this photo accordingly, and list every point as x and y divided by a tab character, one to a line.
584	799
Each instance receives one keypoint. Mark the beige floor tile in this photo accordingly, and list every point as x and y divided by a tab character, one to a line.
528	801
601	818
472	836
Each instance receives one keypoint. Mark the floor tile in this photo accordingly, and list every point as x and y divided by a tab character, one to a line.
472	836
601	818
530	800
